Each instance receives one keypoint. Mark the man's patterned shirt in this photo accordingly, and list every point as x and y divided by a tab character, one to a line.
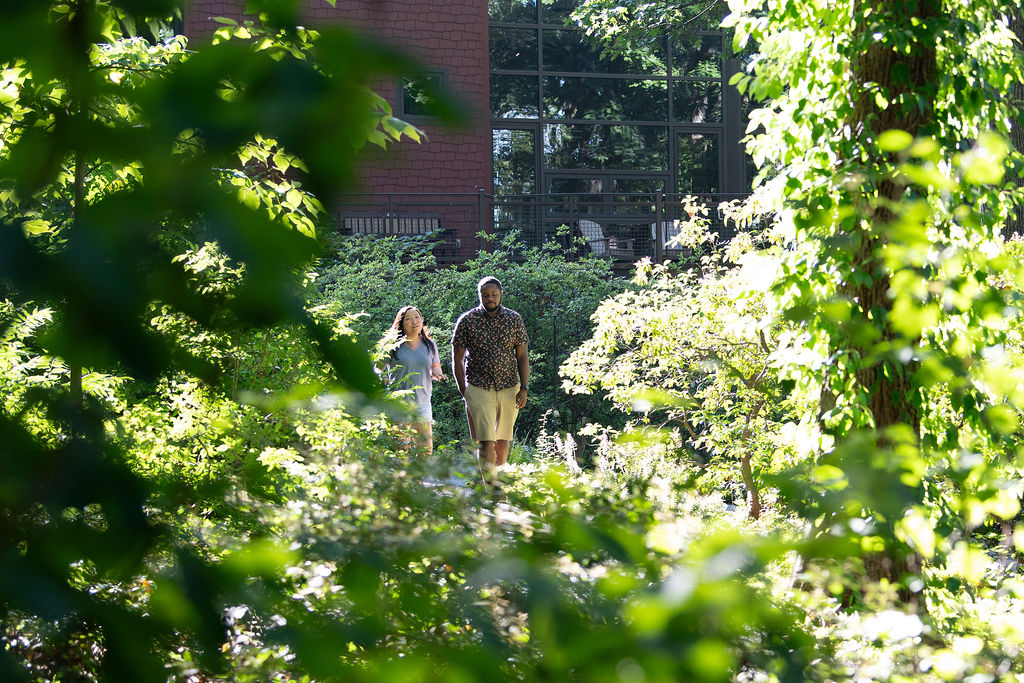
491	344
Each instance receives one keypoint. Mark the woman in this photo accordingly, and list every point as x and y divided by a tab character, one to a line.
416	364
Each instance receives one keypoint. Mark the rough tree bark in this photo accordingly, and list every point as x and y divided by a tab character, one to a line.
1016	224
748	475
900	74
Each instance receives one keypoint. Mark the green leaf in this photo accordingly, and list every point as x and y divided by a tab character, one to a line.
250	198
894	140
917	529
829	476
281	162
1001	419
293	199
37	226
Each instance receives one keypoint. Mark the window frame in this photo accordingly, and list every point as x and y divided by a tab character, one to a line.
442	72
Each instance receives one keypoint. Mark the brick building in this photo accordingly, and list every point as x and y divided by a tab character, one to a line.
447	36
558	134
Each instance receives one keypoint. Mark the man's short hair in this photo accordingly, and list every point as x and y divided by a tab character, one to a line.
489	280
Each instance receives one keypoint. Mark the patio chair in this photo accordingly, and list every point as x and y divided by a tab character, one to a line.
669	231
604	247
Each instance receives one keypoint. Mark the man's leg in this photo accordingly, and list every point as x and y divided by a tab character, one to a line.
501	448
485	455
506	419
481	410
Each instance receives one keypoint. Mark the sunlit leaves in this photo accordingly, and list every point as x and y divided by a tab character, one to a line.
894	140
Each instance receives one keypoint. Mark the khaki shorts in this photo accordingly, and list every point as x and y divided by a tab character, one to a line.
491	413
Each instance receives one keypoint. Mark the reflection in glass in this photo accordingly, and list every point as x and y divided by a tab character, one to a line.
557	185
514	97
416	94
700	57
697	169
577	146
571	51
556	11
518	11
513	48
631	187
697	101
617	190
567	51
514	162
613	99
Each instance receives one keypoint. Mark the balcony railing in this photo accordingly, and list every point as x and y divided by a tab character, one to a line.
623	227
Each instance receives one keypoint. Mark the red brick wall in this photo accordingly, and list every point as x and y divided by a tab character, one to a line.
441	33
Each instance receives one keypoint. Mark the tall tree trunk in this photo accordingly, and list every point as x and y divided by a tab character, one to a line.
753	494
1016	224
78	202
78	37
886	382
899	76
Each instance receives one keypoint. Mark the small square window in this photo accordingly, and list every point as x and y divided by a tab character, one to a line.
416	93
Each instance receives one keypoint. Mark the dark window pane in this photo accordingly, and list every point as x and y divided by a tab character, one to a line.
630	187
614	99
697	101
603	146
514	161
513	48
570	51
698	162
567	51
697	56
514	97
558	185
630	190
556	11
416	93
519	11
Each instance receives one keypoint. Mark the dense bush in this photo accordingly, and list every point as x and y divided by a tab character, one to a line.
554	292
201	481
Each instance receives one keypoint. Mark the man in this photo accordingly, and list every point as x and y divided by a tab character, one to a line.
492	372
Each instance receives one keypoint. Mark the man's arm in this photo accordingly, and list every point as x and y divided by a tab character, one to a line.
459	367
523	360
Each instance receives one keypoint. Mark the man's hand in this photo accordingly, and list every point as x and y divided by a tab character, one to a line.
521	399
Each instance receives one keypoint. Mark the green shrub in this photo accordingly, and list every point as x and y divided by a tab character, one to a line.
555	294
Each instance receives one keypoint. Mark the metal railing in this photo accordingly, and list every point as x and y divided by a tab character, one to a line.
623	227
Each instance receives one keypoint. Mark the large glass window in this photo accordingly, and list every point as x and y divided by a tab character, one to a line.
513	11
615	99
654	122
513	49
697	163
583	146
618	188
514	161
557	11
697	101
698	57
514	97
570	52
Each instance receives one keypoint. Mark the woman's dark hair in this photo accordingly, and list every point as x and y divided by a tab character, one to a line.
424	332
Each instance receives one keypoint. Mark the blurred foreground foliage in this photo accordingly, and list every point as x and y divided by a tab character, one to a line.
198	478
202	479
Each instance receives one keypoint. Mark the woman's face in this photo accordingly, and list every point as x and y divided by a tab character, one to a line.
412	323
